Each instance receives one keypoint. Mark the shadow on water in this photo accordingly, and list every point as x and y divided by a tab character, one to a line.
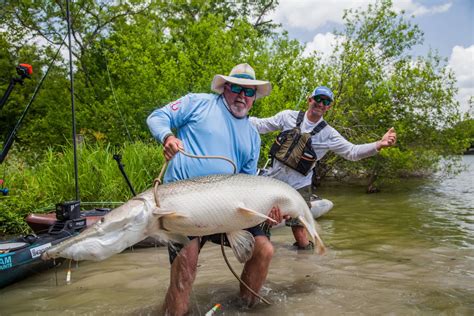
407	250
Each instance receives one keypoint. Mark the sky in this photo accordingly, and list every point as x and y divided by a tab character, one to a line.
448	27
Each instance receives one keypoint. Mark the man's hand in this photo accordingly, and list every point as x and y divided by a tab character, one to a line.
389	139
171	147
275	214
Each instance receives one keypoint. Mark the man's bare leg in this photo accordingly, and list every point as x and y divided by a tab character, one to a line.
256	269
182	275
300	236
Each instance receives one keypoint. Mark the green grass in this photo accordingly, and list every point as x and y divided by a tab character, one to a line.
38	188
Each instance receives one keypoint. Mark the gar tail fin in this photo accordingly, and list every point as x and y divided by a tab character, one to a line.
242	243
320	248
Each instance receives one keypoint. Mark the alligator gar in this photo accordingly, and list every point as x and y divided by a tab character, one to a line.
193	207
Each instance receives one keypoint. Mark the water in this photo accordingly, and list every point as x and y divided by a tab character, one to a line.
407	250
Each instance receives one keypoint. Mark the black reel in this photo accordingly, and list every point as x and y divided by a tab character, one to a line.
68	210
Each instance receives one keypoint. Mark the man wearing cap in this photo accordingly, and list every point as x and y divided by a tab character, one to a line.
326	139
212	125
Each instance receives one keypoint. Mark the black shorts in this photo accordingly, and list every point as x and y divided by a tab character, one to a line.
175	248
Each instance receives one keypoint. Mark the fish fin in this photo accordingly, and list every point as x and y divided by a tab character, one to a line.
242	243
250	212
167	213
177	238
320	248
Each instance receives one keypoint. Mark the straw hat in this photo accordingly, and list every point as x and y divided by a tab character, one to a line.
242	74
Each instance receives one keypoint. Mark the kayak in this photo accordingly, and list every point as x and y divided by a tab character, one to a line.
319	207
21	257
41	222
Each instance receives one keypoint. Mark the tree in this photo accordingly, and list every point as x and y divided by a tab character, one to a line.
45	124
132	57
378	85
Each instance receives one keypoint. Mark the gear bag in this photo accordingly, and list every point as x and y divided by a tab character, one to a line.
294	148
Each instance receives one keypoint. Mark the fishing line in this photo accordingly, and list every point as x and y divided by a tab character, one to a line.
55	271
238	278
115	99
195	299
303	93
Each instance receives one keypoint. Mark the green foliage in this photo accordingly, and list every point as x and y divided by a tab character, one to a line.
132	57
461	135
47	123
51	180
378	85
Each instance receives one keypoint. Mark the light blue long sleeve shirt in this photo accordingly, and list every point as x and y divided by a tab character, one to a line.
206	127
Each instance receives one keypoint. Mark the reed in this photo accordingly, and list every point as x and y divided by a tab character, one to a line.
38	188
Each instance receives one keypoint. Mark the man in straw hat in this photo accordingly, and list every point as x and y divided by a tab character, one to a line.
217	125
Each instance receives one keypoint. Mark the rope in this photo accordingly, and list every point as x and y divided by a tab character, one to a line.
210	157
238	278
157	182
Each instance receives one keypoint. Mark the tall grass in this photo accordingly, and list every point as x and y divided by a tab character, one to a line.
51	180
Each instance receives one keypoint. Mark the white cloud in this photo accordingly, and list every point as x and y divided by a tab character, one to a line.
323	44
418	10
312	14
462	63
309	15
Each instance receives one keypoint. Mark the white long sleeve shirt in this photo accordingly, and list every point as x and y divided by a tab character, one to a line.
327	139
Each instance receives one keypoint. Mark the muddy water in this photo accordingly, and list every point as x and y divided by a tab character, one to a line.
405	251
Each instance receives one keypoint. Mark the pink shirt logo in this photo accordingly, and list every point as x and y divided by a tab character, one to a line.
174	105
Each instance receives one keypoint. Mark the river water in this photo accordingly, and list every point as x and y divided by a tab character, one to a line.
407	250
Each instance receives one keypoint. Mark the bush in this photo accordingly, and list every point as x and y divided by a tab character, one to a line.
39	188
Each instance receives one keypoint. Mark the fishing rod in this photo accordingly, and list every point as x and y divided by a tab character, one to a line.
118	158
11	137
71	79
24	71
71	210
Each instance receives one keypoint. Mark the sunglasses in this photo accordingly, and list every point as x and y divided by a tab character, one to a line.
249	92
318	99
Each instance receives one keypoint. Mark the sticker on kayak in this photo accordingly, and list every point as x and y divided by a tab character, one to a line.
6	261
37	251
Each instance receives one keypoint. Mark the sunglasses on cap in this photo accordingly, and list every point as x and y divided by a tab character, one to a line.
249	92
318	99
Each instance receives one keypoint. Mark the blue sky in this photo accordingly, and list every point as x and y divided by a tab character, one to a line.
448	27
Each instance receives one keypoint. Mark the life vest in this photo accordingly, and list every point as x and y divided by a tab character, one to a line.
294	149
